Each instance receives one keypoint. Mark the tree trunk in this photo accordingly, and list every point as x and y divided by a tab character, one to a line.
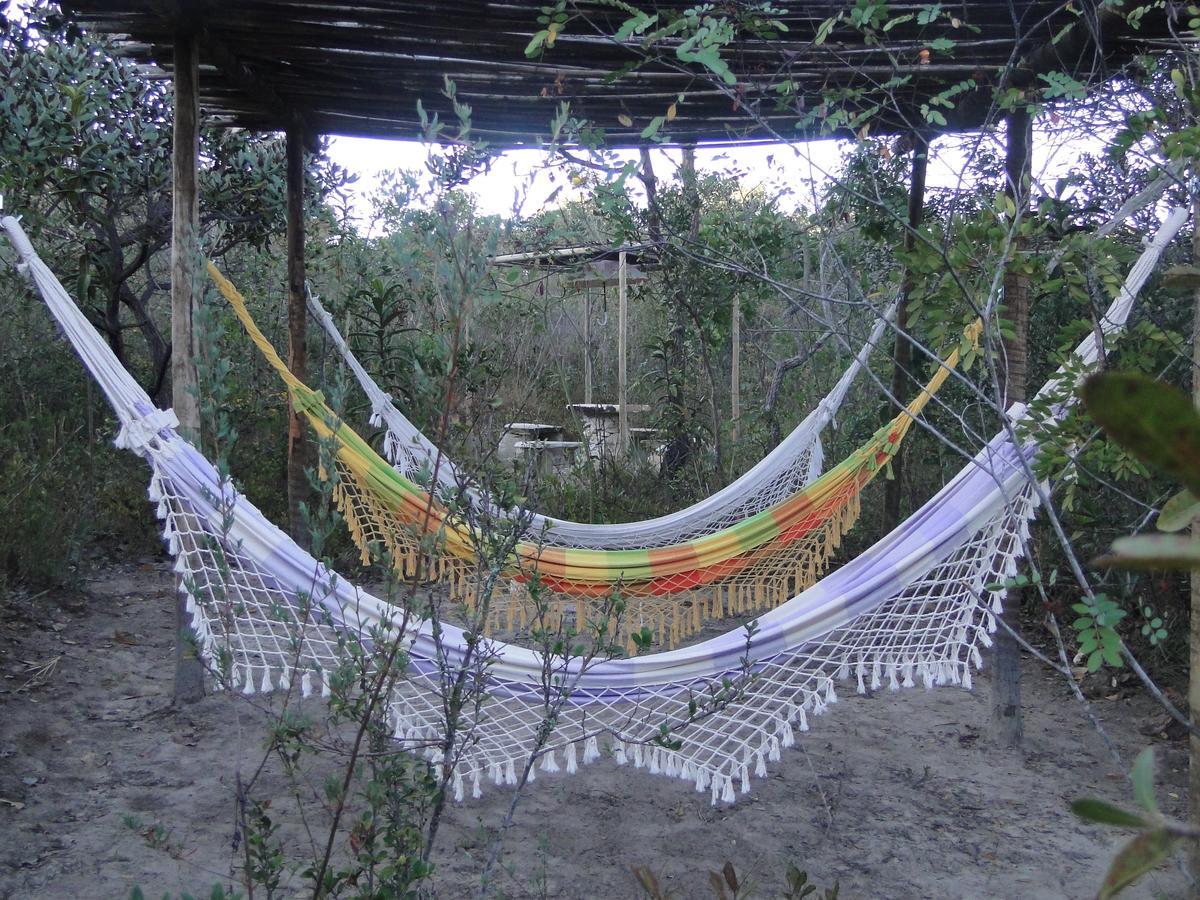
678	452
1007	724
622	354
901	376
185	262
297	445
160	350
686	310
735	367
587	345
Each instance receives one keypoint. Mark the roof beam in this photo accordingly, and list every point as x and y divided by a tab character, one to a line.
241	76
360	66
186	17
1096	32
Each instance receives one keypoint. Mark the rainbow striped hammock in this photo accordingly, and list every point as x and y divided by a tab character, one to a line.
671	589
795	463
913	608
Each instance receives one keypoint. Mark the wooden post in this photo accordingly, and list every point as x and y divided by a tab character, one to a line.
185	225
900	388
1194	627
587	345
1018	177
297	445
185	270
735	375
622	352
1007	725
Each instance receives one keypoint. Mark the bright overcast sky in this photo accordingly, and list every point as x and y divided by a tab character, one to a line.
521	181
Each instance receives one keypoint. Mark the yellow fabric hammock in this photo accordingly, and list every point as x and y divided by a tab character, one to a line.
671	590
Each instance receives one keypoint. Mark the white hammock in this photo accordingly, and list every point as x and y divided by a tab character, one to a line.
915	607
795	463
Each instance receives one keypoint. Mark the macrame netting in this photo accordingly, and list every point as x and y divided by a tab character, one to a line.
795	463
912	609
670	591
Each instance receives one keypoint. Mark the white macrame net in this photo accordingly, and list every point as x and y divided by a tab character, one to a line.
913	609
928	634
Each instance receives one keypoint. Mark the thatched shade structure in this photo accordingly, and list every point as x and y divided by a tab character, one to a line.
358	67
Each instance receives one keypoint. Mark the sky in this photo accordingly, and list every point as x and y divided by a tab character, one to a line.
525	182
521	181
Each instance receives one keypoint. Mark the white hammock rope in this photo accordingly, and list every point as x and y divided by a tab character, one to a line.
915	608
796	462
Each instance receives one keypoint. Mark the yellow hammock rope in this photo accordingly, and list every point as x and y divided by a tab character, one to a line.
748	567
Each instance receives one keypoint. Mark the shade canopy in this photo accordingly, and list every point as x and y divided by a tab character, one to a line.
359	67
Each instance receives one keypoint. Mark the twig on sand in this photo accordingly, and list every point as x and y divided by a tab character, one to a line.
817	783
39	672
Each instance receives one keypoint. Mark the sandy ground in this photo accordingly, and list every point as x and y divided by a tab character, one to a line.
896	795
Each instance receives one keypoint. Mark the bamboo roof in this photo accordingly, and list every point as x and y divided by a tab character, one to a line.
359	67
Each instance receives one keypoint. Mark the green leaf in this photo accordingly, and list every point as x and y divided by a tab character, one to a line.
1104	813
534	47
1060	84
1155	422
1136	858
898	20
1141	776
824	30
1178	512
655	124
1153	551
636	25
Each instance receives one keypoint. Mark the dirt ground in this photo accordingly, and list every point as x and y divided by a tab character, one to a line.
896	795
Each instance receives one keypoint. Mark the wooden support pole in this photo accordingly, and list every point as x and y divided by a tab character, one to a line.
1018	174
735	366
297	443
1194	618
185	226
901	378
622	354
1007	724
185	274
587	345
